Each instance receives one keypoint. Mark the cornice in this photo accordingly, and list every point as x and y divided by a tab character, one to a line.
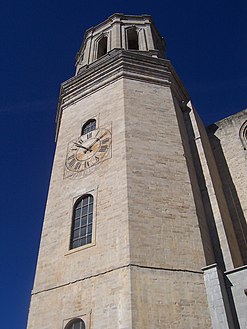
120	17
116	64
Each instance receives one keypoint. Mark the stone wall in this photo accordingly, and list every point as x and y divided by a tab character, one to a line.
231	159
147	234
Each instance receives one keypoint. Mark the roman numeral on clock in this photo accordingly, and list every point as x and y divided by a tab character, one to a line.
86	164
103	148
106	140
77	165
79	141
72	162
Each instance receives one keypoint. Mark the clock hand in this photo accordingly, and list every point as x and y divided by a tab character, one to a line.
83	147
97	139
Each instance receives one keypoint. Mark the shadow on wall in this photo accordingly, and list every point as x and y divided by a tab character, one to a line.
204	195
231	195
231	313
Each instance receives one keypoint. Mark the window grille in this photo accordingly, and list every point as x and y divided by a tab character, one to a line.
76	324
88	126
82	222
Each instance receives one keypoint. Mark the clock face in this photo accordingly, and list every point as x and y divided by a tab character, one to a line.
85	153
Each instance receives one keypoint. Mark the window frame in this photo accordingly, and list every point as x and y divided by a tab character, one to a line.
85	317
127	30
95	44
243	135
88	123
79	205
94	193
105	37
73	321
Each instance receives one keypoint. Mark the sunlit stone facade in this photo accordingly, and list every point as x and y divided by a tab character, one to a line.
160	245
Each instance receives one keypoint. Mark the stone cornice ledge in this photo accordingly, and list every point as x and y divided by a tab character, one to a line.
114	65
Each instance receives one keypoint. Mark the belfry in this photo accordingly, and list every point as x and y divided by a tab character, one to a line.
144	227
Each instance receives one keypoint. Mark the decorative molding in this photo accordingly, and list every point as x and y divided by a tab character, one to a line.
117	64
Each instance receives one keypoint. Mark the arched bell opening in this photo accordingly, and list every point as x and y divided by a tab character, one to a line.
102	47
132	39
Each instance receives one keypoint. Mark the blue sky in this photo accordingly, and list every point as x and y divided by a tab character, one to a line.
206	42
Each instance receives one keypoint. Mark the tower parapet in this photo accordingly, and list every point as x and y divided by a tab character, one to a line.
129	32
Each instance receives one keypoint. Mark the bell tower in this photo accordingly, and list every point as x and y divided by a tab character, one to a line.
125	235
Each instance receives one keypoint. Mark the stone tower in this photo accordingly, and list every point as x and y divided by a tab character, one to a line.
128	228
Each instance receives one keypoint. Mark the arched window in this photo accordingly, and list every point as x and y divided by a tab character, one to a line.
102	47
88	126
243	134
132	39
76	324
82	222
